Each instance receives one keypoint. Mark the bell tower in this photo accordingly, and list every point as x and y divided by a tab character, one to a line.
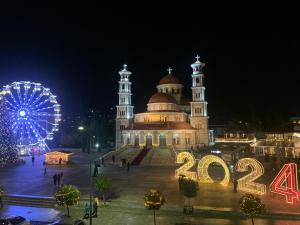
124	108
199	117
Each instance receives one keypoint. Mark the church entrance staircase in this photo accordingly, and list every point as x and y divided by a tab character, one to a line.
138	159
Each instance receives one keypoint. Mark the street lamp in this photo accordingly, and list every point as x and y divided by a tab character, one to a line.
81	128
87	131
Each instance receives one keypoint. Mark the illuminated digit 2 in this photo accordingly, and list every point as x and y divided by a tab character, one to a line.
189	163
246	182
203	169
286	183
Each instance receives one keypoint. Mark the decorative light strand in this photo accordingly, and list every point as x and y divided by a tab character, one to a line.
189	161
286	183
34	111
203	169
246	182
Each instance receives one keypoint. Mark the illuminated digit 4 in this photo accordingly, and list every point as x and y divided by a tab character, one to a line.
189	163
286	183
246	183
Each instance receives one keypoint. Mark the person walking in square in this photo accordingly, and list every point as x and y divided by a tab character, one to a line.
95	208
1	193
235	184
102	161
32	159
86	211
45	171
113	159
128	166
58	180
60	161
95	170
61	178
54	179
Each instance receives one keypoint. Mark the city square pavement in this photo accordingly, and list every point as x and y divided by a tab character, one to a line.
34	214
130	187
114	216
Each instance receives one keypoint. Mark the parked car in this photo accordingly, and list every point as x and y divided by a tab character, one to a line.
16	220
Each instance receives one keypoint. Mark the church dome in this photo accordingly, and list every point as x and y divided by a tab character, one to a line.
162	98
169	79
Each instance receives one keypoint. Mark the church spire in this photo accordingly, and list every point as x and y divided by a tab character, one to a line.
124	108
124	67
197	66
169	70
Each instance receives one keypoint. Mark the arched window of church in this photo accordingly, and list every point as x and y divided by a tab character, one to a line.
176	140
197	80
167	90
187	140
173	91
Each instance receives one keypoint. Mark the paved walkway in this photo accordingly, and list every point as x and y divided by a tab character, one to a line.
28	179
40	215
114	216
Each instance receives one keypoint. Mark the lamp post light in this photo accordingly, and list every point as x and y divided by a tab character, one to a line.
81	128
97	145
87	130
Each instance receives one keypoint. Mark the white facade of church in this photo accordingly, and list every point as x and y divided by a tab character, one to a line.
170	120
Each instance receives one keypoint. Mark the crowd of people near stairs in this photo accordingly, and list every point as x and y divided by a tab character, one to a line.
121	163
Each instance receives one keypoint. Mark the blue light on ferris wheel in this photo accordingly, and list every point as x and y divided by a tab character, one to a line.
34	110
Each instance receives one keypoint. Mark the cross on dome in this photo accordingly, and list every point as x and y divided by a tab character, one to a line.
125	65
197	57
169	70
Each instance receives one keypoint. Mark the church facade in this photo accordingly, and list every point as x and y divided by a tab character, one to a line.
171	119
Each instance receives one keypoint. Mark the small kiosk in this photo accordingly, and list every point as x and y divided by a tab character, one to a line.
58	157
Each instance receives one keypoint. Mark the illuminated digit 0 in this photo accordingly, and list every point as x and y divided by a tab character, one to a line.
190	162
246	183
286	183
203	169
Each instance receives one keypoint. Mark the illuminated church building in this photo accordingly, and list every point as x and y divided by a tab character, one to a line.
170	120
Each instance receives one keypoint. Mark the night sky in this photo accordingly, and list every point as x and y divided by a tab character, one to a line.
251	71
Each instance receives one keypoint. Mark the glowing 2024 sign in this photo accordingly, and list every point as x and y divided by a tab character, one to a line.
285	183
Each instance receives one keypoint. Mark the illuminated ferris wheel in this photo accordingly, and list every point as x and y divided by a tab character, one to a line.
35	113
